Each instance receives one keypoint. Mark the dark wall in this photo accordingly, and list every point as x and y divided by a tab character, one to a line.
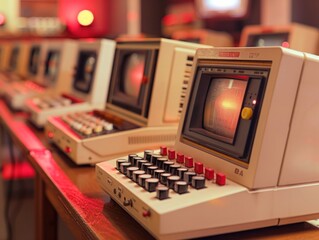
152	12
306	12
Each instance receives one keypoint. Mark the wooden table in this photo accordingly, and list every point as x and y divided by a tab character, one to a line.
72	192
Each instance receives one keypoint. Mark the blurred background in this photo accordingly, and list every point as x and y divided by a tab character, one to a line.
106	18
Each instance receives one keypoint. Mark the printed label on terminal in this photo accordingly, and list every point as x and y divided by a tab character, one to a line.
229	54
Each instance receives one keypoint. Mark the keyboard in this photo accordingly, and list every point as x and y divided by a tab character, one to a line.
51	102
171	195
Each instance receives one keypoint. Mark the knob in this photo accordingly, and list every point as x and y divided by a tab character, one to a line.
198	182
118	163
162	192
136	174
127	202
151	169
171	181
188	177
181	187
130	158
151	184
130	170
154	158
164	177
146	165
247	113
135	160
158	172
160	161
181	171
173	169
148	154
140	163
142	178
124	166
167	164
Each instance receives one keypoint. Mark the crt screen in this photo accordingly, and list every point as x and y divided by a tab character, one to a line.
218	5
133	72
85	71
261	40
51	64
222	107
34	60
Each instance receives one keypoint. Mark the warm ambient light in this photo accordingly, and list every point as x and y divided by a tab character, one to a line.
85	17
2	19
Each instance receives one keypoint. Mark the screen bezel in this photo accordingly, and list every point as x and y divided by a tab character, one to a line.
123	101
83	54
193	129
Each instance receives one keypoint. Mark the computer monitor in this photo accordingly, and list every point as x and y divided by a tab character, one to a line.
234	116
132	79
136	91
222	9
145	99
295	36
87	83
85	71
204	36
78	73
57	63
246	144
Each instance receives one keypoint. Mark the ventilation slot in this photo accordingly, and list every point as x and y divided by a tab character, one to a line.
151	139
187	76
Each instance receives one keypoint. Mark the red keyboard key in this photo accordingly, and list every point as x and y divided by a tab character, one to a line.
171	154
220	179
163	150
189	162
209	173
199	168
180	158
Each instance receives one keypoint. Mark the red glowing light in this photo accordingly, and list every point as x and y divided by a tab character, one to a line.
50	135
137	74
285	44
68	150
226	104
21	170
170	20
85	18
134	75
187	17
2	19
